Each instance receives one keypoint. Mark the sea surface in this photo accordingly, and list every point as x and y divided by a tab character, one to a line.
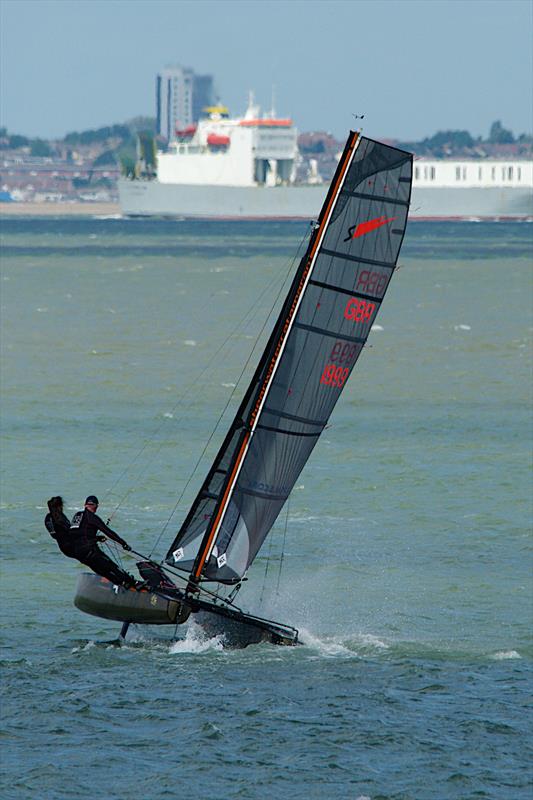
407	561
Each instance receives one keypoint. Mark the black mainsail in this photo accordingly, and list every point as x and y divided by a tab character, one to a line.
333	301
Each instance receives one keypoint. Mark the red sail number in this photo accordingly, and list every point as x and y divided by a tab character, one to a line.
359	310
343	353
371	282
334	376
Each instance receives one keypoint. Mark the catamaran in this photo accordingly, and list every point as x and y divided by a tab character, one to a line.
323	326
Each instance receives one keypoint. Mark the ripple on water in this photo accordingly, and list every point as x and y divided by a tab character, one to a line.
505	655
404	565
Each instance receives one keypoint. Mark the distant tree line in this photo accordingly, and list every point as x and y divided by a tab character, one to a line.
440	142
459	140
38	147
97	135
126	134
118	143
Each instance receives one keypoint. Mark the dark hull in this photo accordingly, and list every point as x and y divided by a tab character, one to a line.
234	633
240	630
99	597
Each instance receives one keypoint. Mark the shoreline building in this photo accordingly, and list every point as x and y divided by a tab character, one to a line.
180	98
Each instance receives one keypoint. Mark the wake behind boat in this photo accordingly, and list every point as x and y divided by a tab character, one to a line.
324	324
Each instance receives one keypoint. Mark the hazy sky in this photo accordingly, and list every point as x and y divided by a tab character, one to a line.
411	66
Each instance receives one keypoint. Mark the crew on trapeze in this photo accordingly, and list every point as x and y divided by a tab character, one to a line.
79	539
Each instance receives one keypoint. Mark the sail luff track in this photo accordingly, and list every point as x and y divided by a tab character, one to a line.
211	534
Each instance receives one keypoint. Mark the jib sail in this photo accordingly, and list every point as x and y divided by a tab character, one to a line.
332	303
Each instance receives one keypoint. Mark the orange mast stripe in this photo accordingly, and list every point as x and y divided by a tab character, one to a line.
237	464
219	514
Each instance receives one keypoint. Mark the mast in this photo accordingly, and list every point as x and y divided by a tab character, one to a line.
296	293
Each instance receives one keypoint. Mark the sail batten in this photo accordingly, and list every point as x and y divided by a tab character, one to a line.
342	290
374	197
347	257
324	332
264	495
287	433
323	326
295	417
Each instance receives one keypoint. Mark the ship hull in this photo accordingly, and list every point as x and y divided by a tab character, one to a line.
140	198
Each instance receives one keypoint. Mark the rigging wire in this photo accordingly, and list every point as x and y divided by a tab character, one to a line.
283	545
227	601
232	393
234	592
157	431
267	565
176	574
114	552
269	558
181	397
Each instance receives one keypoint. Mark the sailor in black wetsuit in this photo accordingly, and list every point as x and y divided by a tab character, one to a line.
84	532
58	526
80	541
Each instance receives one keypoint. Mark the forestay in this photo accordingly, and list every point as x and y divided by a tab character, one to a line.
332	303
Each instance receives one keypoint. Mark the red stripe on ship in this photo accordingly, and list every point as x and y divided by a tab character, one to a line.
371	225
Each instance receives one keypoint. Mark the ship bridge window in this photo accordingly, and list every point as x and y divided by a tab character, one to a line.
480	173
458	173
494	173
510	173
503	173
417	173
518	174
464	173
432	173
425	173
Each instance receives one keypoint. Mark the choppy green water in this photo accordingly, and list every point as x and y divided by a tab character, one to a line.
408	553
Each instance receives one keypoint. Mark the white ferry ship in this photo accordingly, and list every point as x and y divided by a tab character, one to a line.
245	168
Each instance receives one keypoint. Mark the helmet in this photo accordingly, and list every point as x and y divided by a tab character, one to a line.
92	500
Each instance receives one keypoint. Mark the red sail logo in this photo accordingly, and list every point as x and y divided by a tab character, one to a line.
365	227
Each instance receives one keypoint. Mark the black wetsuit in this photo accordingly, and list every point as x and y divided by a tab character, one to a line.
59	529
83	542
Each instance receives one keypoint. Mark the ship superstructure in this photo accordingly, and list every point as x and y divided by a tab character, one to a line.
219	151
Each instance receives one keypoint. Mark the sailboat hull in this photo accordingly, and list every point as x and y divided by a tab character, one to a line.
101	598
238	633
240	630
